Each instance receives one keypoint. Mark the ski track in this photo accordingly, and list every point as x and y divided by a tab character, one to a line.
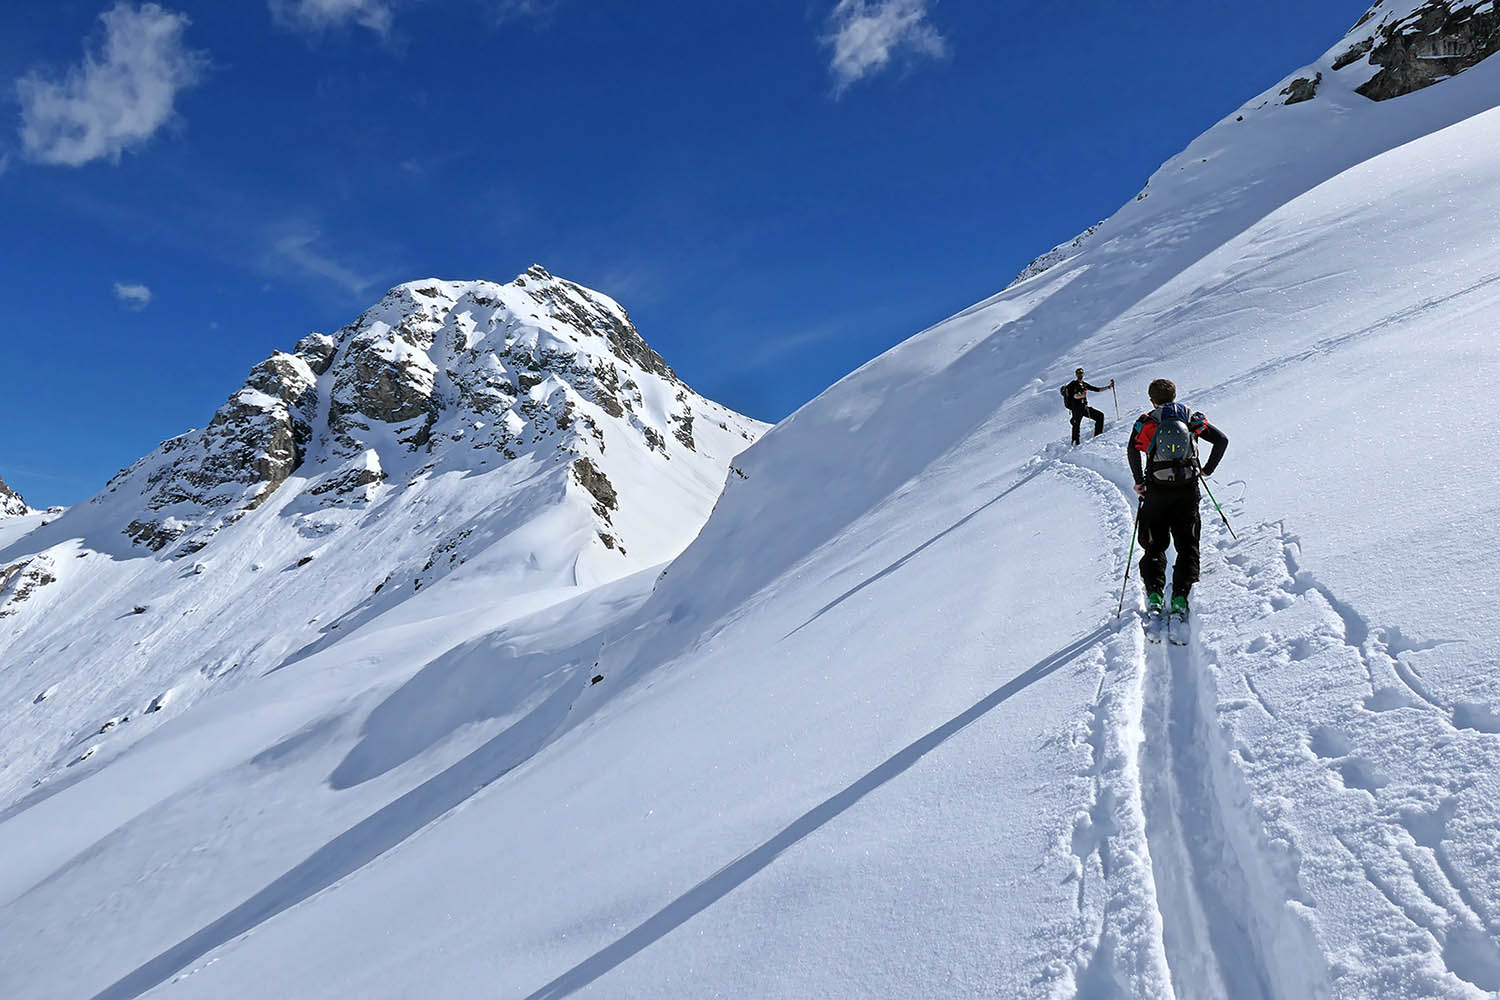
1177	819
1204	938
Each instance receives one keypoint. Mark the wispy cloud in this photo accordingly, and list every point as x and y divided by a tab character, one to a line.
776	349
297	250
321	15
118	97
516	10
868	35
4	163
135	297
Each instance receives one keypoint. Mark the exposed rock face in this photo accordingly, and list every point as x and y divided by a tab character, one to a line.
534	368
584	310
252	444
1302	89
11	504
317	349
1438	40
598	485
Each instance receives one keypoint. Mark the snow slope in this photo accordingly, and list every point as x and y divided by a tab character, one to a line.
878	730
520	441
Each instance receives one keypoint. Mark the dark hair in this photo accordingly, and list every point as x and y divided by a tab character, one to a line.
1162	390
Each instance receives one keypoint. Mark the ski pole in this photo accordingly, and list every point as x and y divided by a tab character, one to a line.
1128	559
1210	492
1117	398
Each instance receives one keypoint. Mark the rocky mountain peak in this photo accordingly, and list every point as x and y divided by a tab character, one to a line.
456	374
11	504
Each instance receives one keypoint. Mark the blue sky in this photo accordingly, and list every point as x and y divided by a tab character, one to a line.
777	190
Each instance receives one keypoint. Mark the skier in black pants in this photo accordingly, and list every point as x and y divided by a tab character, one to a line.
1076	395
1168	487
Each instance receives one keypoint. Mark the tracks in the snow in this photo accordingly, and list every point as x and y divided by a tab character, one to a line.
1201	890
1208	929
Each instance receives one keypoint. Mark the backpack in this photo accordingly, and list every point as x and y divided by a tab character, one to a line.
1067	400
1173	457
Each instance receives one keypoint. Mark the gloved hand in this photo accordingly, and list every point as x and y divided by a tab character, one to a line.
1140	489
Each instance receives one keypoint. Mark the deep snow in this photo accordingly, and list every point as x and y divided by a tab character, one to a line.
878	731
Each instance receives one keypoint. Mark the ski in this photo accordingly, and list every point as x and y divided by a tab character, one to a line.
1177	628
1153	624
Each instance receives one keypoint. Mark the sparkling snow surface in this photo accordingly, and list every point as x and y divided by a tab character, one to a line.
878	731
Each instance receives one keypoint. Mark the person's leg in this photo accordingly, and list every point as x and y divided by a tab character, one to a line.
1098	419
1187	530
1077	419
1153	533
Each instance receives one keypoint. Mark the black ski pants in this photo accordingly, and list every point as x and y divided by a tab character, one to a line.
1170	515
1092	414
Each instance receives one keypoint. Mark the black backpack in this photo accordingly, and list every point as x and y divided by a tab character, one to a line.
1067	400
1173	455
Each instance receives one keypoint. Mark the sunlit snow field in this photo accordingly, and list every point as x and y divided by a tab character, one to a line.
879	730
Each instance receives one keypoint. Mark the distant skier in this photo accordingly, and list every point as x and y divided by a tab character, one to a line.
1076	395
1168	487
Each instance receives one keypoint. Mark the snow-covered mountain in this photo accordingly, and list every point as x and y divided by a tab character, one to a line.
11	504
878	730
522	438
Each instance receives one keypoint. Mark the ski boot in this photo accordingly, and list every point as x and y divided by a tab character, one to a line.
1151	618
1177	621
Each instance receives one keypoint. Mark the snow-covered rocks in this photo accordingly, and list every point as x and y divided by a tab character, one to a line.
438	372
1402	46
11	504
1415	46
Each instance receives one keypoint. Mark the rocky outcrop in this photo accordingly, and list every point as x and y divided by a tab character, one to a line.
11	504
384	378
1438	40
583	310
354	481
598	485
1302	89
252	444
19	582
317	349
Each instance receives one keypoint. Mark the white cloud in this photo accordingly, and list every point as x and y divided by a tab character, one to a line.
512	10
868	34
118	97
320	15
297	249
136	297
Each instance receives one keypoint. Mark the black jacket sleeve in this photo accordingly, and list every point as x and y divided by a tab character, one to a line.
1220	442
